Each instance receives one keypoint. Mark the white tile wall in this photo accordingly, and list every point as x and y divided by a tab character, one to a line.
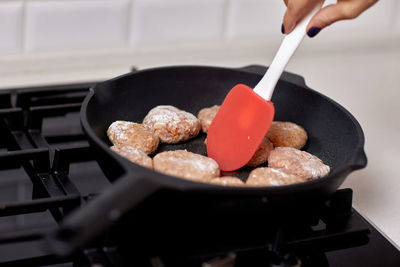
176	21
396	17
254	18
10	27
35	31
66	25
31	26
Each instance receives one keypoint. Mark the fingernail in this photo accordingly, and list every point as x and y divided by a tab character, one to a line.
283	28
313	31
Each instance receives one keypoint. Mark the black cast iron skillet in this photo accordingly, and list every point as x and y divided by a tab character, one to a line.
334	136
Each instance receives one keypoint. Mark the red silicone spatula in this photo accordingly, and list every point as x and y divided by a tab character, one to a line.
246	115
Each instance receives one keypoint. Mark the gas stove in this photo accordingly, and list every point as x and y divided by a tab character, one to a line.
48	169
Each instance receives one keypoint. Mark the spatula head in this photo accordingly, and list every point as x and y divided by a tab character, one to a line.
238	128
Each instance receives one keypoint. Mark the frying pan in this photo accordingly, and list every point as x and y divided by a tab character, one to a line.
335	136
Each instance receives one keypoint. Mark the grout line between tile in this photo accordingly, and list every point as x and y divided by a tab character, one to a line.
226	15
394	16
23	30
128	21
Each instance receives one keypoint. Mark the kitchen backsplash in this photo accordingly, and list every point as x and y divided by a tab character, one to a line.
75	32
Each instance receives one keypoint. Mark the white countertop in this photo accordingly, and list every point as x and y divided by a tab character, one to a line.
366	82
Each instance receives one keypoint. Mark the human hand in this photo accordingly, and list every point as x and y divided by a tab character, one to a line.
342	10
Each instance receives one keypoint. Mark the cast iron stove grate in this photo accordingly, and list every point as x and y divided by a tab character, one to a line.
47	169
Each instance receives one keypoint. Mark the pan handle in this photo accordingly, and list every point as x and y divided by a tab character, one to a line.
360	160
83	225
286	76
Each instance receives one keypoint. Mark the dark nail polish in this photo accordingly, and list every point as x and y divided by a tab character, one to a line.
313	31
283	28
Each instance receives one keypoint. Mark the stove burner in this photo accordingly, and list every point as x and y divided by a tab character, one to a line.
287	260
48	169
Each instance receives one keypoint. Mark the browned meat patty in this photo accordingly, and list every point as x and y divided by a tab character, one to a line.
227	181
133	134
272	177
262	153
171	124
133	154
297	162
283	133
185	164
206	116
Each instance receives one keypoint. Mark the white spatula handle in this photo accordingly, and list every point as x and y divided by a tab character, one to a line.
267	84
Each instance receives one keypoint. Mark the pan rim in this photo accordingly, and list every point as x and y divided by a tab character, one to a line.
189	185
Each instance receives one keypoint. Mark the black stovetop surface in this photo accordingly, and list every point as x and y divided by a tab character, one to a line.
47	169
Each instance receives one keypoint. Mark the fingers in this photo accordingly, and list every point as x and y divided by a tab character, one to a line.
296	10
344	9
